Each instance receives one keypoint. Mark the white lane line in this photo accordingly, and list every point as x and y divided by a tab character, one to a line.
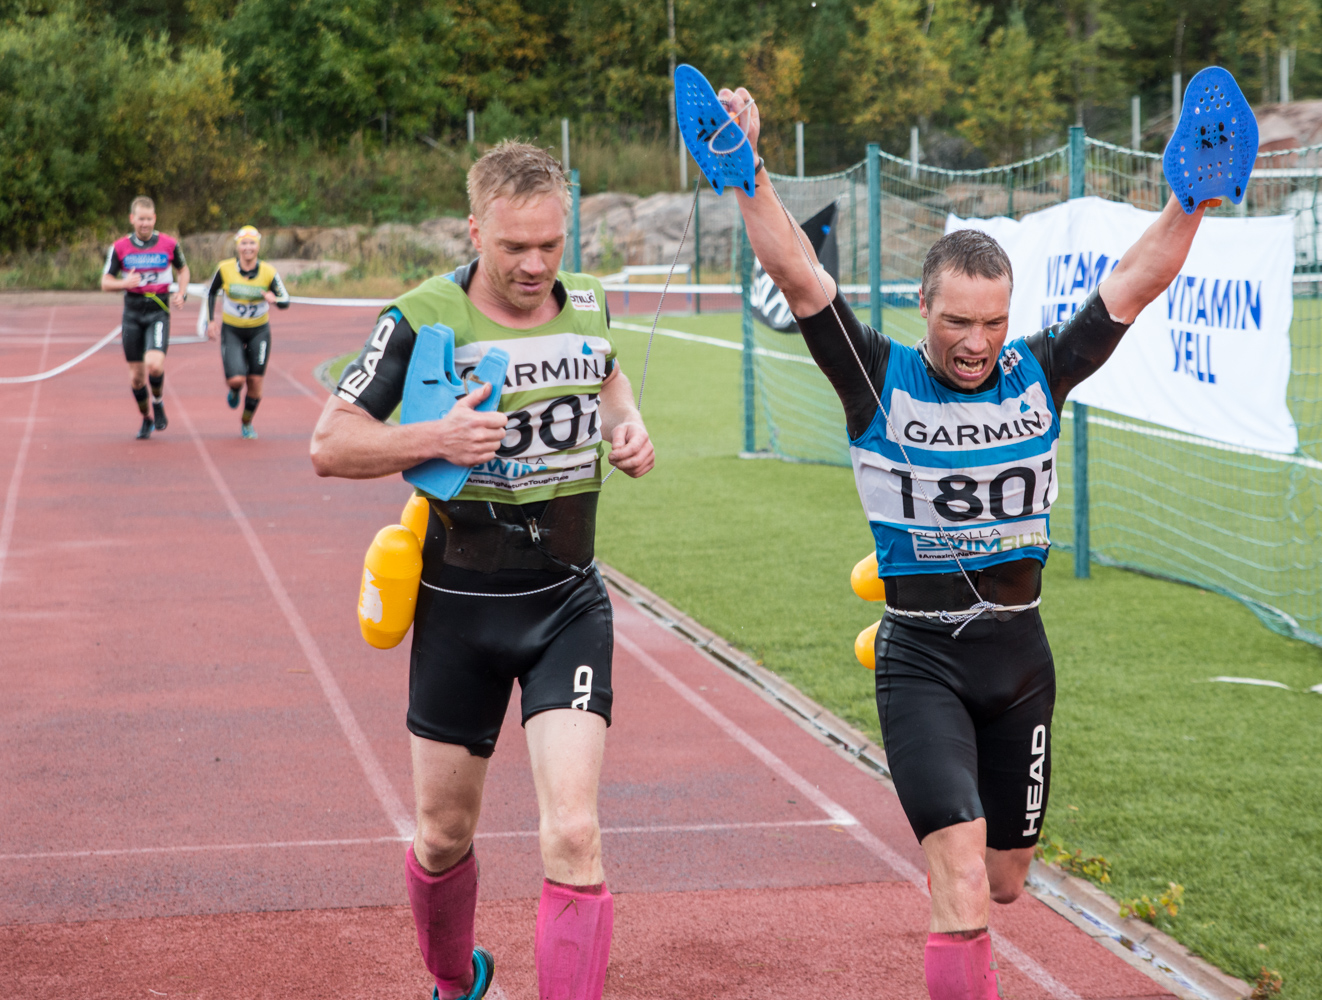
41	376
376	776
115	852
20	460
682	828
838	813
111	852
320	400
730	345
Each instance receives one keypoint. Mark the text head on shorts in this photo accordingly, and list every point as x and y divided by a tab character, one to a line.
149	263
509	590
954	451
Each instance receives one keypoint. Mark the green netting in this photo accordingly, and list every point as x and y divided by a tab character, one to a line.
1227	519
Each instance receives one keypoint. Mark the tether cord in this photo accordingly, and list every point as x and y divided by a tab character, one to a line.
651	337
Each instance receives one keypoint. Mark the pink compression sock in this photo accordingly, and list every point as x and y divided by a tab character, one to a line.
960	967
574	925
444	907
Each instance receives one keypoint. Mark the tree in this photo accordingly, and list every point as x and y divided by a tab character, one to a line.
329	68
1013	103
900	75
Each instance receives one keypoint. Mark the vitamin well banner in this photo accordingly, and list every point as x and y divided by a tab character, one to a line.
1210	356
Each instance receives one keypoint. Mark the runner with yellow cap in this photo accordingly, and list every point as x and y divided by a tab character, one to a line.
249	288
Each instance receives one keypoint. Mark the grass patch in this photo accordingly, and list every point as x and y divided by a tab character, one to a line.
1170	778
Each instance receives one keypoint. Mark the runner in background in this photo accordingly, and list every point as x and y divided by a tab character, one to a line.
249	287
149	261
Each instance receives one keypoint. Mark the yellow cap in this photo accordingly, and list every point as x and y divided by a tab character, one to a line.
248	232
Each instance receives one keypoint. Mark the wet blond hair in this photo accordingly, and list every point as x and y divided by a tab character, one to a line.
518	171
141	201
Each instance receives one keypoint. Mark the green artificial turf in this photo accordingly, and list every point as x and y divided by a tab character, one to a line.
1172	778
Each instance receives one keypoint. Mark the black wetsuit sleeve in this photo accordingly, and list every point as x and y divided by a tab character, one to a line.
177	259
832	353
375	381
114	266
1071	351
281	292
216	285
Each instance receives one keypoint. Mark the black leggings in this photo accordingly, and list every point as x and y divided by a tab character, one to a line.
967	723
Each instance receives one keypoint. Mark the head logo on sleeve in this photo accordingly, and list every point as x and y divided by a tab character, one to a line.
584	300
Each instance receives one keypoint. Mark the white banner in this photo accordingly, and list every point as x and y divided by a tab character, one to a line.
1211	356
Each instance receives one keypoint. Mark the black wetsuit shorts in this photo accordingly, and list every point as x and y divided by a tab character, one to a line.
245	350
144	327
493	610
967	723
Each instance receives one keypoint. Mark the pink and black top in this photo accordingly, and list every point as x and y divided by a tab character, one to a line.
155	259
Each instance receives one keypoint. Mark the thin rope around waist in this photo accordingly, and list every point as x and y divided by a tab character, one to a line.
521	593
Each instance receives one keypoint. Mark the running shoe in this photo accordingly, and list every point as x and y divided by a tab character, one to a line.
158	411
484	970
144	432
233	399
249	434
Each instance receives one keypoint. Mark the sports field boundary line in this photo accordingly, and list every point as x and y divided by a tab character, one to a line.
1140	945
858	831
1160	433
21	457
391	804
275	845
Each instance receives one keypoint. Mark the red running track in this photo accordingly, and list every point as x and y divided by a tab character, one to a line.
205	770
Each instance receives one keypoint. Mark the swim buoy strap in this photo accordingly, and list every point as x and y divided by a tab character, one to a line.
487	537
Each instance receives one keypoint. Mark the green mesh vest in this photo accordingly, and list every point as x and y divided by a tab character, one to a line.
552	443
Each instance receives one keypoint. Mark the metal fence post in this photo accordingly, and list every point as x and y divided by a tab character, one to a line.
697	242
575	233
1082	541
746	294
874	232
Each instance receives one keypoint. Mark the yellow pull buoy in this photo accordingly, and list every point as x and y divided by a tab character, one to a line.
865	646
865	581
415	516
389	595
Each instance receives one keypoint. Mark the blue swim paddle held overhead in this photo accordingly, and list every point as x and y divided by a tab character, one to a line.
431	389
1215	143
715	140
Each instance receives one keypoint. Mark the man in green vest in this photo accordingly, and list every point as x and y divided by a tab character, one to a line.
509	590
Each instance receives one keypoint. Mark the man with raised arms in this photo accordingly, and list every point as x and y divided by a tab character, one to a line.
961	461
509	589
149	261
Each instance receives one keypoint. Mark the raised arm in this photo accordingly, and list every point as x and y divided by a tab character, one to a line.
1150	265
778	241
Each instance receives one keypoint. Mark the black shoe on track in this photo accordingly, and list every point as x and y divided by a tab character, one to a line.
158	411
233	399
144	432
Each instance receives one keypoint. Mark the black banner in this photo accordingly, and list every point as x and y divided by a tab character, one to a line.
769	305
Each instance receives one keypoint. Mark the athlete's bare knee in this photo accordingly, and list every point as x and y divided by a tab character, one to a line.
156	369
442	841
1006	890
236	382
572	837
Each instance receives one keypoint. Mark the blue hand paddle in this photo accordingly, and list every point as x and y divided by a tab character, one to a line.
431	389
1211	153
718	144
